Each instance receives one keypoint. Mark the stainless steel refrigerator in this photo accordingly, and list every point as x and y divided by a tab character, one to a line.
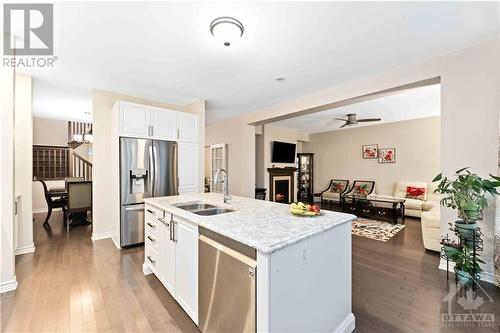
148	168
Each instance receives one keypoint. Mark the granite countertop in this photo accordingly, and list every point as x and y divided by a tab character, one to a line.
266	226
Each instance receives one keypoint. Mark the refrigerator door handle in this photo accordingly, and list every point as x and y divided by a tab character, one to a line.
156	176
151	171
134	207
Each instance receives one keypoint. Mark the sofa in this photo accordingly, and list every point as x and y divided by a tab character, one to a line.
430	221
420	203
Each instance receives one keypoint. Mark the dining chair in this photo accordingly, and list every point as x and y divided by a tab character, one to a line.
79	200
54	200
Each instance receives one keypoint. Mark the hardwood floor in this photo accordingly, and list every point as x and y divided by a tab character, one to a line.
71	284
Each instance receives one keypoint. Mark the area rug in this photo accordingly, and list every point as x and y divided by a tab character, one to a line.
373	229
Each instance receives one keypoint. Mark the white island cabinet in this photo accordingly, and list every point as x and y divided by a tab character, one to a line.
303	265
171	253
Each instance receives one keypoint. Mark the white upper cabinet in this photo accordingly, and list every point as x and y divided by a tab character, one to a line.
187	127
162	124
134	119
144	121
188	166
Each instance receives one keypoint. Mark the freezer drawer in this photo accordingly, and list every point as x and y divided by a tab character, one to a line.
132	225
226	288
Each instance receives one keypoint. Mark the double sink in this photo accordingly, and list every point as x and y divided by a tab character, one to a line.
202	208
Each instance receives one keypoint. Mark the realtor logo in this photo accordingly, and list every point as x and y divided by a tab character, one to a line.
30	29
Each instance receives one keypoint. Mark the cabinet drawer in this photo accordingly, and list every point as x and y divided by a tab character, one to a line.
154	212
152	226
151	258
152	240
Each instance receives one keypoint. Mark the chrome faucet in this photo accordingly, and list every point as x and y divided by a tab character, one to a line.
227	197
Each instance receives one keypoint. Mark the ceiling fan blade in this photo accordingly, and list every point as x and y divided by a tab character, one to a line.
344	125
368	119
343	119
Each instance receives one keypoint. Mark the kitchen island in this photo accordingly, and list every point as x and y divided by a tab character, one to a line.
303	264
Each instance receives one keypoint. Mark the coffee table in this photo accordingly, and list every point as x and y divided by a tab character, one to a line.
374	207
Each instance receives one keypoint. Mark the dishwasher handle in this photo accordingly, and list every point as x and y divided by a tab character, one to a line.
230	252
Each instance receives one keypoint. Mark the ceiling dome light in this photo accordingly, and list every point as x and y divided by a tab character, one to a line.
226	30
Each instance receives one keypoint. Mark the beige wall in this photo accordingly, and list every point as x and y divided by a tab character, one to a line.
240	140
469	87
337	154
50	132
47	132
105	188
8	279
23	162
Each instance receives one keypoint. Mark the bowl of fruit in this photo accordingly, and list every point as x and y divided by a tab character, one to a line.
301	209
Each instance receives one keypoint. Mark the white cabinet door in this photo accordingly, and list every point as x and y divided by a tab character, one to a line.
134	120
186	272
162	124
167	250
188	166
187	127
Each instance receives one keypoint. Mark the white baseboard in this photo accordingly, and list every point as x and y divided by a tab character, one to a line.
8	285
25	249
146	270
117	243
485	276
102	235
347	326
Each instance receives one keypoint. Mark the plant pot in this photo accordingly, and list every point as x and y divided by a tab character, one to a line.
464	277
472	211
451	252
466	230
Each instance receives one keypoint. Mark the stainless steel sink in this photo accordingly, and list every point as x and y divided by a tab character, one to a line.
202	208
213	211
192	206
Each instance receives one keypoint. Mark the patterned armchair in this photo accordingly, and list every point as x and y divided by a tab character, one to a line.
336	188
362	188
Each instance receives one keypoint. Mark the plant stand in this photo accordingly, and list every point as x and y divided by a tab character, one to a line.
477	245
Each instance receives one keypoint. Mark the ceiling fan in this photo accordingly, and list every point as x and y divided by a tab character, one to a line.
351	120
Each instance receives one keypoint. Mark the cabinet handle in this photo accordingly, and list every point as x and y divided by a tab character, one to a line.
151	225
173	232
150	211
152	130
152	239
149	258
178	133
162	220
171	229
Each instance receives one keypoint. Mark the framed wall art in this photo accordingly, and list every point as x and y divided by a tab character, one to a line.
370	151
387	155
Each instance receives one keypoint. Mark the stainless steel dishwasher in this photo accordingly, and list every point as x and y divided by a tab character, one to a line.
227	283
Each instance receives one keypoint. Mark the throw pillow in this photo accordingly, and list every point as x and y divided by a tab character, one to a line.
337	187
361	190
415	192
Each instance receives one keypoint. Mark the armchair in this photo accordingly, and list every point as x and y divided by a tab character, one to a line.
336	188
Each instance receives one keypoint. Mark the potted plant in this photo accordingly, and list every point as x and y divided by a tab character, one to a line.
467	193
467	267
450	248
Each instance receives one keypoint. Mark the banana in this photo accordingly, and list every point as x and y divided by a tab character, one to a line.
294	206
297	211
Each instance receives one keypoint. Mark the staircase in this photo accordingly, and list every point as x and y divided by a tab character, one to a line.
79	152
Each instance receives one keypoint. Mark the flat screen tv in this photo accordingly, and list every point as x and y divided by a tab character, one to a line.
283	152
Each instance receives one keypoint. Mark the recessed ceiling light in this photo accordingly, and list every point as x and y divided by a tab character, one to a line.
226	30
279	78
